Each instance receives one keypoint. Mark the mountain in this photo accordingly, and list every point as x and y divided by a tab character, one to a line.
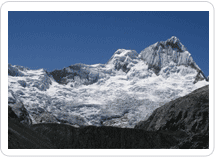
160	54
189	114
179	124
62	136
120	93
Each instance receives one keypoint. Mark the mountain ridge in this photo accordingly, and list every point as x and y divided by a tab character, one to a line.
115	93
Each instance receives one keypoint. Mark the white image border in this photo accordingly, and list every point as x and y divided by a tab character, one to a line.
101	6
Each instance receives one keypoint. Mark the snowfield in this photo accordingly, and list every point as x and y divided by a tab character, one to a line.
120	93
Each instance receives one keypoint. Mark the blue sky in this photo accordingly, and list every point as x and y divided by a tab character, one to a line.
54	40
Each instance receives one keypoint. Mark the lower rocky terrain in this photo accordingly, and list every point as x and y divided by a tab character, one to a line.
181	123
189	114
22	136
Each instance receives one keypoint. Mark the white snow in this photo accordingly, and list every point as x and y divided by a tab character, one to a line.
118	98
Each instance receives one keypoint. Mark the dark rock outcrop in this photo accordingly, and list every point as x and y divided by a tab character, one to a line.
21	113
14	71
196	141
16	109
11	113
44	117
40	115
189	114
199	77
69	74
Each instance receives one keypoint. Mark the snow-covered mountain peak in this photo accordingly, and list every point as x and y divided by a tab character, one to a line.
175	43
122	54
120	93
122	58
173	39
160	54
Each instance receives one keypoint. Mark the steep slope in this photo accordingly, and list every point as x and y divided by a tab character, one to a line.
162	53
21	136
120	93
189	113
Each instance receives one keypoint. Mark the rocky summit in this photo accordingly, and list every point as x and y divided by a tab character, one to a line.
120	93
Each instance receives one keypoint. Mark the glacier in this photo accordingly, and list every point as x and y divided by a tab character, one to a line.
121	92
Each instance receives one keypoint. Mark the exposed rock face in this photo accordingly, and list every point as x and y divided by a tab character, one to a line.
11	97
17	110
44	117
11	113
199	77
196	141
21	113
79	73
15	70
189	113
162	53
